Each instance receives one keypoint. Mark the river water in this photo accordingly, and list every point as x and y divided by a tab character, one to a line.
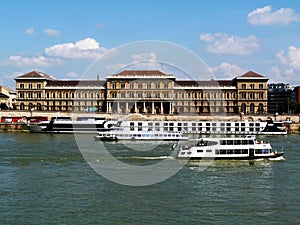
44	179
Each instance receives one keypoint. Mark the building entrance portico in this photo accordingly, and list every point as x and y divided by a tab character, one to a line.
146	107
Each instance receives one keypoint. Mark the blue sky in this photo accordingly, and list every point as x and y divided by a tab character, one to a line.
62	38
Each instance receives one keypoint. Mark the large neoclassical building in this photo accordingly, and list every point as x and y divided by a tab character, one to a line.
142	91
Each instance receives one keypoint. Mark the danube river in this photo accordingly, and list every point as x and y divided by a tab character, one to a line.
44	179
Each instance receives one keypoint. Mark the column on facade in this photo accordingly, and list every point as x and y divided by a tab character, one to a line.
161	108
153	111
126	108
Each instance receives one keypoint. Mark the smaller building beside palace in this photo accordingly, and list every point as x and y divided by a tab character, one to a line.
142	91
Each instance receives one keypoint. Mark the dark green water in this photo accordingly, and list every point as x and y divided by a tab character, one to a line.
45	180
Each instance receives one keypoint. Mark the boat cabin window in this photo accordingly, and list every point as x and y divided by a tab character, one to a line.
206	143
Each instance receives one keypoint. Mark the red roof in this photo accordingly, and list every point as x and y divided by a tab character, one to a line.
251	74
74	83
141	72
37	75
194	83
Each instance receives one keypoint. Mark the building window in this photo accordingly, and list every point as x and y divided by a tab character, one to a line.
39	86
157	95
21	86
131	94
251	95
166	85
243	95
261	95
157	85
252	86
39	95
30	86
30	95
148	85
123	95
114	85
21	95
261	86
131	85
140	85
244	86
123	85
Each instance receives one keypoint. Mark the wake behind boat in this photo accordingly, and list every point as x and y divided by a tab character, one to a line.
236	148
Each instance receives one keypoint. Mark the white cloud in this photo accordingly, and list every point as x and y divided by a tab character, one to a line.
291	58
144	57
265	16
227	69
23	61
29	31
87	48
100	25
51	32
72	75
222	43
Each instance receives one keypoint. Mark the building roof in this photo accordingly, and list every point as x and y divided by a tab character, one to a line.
141	73
74	83
204	83
35	75
251	74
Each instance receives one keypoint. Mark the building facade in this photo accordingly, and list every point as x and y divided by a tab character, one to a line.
142	91
279	97
7	98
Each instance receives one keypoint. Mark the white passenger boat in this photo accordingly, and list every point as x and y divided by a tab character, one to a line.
207	127
236	148
94	125
117	135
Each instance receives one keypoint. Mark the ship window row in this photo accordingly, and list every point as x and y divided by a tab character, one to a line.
231	152
236	142
262	151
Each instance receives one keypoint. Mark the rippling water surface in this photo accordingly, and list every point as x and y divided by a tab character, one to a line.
45	180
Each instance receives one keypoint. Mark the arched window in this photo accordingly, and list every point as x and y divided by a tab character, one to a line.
30	106
252	108
243	108
38	106
260	108
22	106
